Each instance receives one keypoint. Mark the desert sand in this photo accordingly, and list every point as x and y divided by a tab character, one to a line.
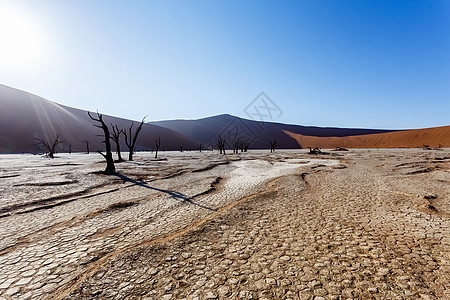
433	137
287	225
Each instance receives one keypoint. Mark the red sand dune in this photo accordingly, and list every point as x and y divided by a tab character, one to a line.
24	117
408	138
258	133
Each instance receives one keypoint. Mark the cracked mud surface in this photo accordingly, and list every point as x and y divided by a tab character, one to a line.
363	225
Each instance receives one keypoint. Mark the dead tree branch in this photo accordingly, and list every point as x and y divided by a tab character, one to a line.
157	145
110	168
273	145
130	138
116	138
221	144
236	145
315	150
51	147
87	142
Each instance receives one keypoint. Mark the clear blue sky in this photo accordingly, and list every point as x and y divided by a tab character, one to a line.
369	64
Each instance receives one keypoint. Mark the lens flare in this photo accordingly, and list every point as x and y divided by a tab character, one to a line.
23	44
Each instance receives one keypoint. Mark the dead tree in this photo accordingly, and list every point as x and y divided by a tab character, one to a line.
130	138
221	144
245	145
236	145
341	149
273	145
157	145
316	150
116	138
110	168
87	142
51	147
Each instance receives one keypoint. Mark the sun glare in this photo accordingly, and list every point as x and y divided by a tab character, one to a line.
23	46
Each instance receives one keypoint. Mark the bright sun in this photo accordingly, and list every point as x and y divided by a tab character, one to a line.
23	45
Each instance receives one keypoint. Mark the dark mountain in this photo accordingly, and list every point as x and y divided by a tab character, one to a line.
258	133
24	117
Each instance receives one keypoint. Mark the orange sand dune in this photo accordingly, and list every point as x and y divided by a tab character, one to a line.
409	138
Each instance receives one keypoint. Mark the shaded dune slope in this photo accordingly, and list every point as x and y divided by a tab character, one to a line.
24	117
259	133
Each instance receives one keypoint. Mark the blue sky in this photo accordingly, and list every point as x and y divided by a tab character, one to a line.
368	64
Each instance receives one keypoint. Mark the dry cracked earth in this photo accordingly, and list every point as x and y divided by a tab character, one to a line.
362	224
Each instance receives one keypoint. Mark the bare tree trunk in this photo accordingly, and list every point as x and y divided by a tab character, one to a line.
221	144
116	138
245	146
157	145
236	145
273	145
110	168
87	146
119	155
130	139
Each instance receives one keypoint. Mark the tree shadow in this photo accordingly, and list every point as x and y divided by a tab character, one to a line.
173	194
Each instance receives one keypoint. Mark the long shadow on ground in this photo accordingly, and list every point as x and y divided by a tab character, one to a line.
173	194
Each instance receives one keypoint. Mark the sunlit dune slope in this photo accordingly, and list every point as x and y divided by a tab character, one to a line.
408	138
24	117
